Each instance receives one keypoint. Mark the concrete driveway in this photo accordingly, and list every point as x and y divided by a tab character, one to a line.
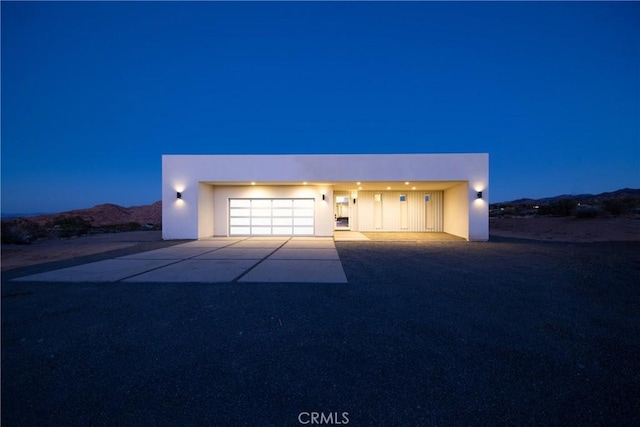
216	260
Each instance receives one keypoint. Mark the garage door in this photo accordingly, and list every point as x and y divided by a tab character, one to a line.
271	217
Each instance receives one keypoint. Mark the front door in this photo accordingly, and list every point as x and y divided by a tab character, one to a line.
341	211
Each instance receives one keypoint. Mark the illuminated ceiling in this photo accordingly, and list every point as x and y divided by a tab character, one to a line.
365	185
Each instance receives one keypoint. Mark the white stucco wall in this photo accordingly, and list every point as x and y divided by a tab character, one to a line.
456	210
193	175
479	209
205	210
179	216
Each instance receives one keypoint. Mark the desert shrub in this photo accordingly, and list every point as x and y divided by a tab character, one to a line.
128	226
132	226
634	204
69	226
503	211
587	212
527	212
562	207
615	206
621	206
21	231
118	228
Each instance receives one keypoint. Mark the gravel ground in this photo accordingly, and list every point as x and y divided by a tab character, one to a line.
502	332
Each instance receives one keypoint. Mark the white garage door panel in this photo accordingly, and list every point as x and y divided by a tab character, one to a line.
240	203
283	231
261	221
240	231
282	221
283	212
271	217
239	221
261	231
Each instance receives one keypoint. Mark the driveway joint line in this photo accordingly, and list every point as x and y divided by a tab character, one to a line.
167	265
147	271
259	262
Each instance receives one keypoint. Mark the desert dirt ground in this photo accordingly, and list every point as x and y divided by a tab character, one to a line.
15	256
568	229
544	229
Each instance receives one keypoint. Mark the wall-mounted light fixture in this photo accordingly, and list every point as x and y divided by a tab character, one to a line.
178	195
479	195
323	197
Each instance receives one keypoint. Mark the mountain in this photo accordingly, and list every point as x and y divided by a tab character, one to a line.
109	214
582	198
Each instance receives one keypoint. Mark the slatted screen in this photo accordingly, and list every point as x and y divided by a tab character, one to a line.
385	211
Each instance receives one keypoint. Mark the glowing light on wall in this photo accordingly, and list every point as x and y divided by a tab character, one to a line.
479	196
179	188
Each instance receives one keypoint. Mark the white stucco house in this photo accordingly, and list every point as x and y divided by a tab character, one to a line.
319	195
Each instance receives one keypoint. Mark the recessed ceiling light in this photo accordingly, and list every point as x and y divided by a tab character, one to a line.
358	183
305	183
406	183
413	188
388	188
359	188
253	183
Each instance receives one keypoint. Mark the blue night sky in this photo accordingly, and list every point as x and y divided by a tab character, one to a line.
94	93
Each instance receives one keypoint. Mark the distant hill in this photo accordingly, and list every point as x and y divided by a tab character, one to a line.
581	198
109	214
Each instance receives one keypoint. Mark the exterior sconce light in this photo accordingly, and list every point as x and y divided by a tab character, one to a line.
354	201
323	197
178	195
479	195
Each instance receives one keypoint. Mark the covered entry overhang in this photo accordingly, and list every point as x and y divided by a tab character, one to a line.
263	200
